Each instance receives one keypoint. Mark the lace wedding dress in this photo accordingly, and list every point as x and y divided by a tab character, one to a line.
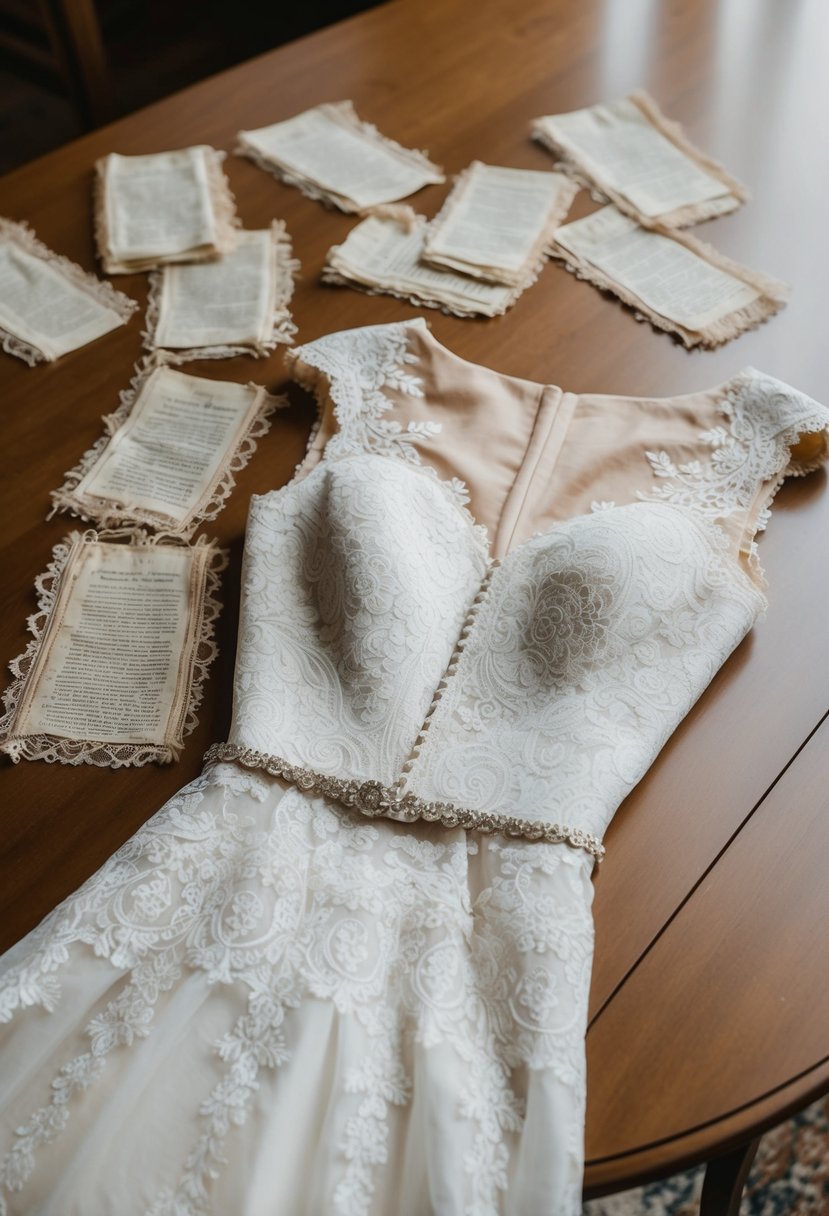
346	969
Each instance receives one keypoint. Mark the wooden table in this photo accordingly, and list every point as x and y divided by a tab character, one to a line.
709	1008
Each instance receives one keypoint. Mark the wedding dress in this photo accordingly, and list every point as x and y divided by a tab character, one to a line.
346	970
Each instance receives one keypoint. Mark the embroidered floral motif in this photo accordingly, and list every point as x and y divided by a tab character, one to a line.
358	366
421	938
765	420
593	642
568	623
435	970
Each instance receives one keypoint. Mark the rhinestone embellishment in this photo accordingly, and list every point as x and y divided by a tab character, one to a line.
373	799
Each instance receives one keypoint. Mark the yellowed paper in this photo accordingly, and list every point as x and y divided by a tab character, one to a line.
48	305
638	159
164	207
170	454
331	155
237	305
497	223
678	283
385	255
110	676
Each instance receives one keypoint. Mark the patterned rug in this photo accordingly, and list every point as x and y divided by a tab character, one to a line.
790	1177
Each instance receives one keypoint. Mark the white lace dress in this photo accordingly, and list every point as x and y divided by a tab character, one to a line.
346	969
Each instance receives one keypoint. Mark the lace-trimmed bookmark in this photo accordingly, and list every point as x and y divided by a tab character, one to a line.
121	643
672	280
497	223
384	255
169	453
630	154
165	207
48	305
334	157
237	305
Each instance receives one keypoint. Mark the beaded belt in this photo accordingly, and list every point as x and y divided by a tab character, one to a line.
375	800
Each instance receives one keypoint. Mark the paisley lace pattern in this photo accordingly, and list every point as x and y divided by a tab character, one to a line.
594	642
349	615
384	1016
468	962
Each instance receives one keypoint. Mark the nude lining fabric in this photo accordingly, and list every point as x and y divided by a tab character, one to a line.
532	455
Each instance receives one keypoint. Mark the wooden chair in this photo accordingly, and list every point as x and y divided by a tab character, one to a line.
62	41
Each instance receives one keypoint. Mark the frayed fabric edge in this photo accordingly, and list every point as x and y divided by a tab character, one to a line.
101	753
224	212
283	330
602	191
110	514
536	258
773	295
123	306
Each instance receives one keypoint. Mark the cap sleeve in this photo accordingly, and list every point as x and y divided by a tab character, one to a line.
361	380
769	431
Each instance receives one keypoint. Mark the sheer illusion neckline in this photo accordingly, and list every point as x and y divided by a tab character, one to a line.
384	371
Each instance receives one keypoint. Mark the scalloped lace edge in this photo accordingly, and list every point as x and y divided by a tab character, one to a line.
115	515
19	232
283	330
344	114
773	293
777	467
679	217
54	749
224	212
535	260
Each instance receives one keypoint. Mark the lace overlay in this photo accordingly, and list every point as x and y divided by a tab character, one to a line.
339	592
271	1000
751	455
465	964
356	370
593	643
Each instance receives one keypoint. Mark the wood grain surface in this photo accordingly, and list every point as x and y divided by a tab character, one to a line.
709	1006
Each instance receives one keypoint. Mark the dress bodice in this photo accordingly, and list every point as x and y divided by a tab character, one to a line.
385	651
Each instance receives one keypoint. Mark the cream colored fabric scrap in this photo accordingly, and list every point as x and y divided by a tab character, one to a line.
49	305
120	648
238	305
169	453
164	207
384	254
632	155
497	223
677	283
331	155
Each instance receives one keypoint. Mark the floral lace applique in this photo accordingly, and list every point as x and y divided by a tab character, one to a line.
425	938
765	418
360	367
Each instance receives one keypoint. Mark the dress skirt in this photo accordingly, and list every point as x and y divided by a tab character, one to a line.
266	1005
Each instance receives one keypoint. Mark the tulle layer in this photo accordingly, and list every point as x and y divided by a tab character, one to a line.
264	1006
